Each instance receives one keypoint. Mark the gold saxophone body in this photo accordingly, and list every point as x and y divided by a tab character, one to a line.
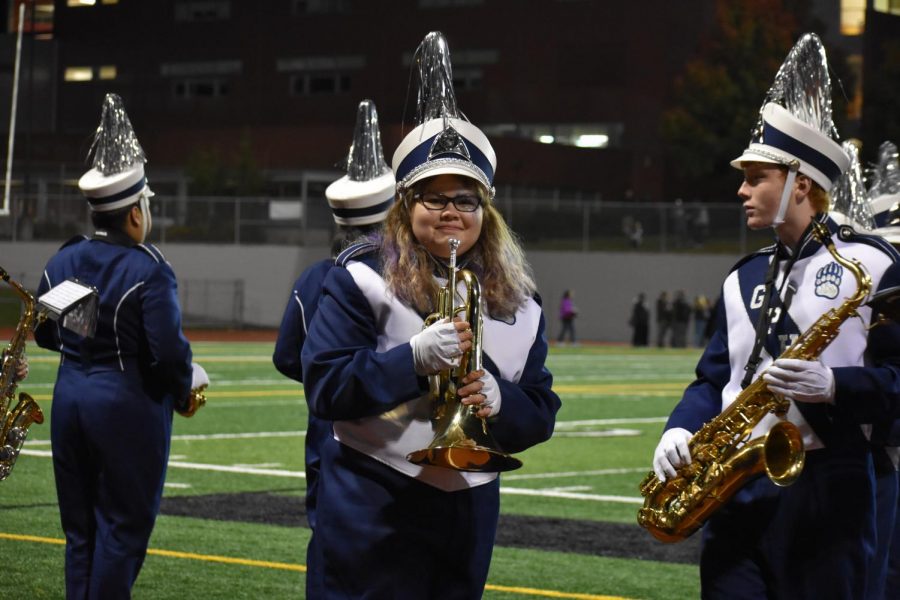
15	421
721	461
462	440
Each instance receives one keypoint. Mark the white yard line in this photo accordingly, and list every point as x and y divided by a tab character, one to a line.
545	493
571	495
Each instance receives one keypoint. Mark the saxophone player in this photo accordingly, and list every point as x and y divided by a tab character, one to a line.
389	528
116	391
816	537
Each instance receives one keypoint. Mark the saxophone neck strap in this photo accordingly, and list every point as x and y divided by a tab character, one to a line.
754	359
763	321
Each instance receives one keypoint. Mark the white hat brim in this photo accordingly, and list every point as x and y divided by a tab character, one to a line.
361	202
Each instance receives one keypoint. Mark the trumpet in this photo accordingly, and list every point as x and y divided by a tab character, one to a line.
462	439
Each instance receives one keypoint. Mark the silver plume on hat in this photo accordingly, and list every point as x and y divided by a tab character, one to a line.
884	177
365	160
115	147
436	98
849	192
803	87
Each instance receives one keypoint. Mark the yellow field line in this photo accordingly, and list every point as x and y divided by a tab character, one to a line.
54	359
265	564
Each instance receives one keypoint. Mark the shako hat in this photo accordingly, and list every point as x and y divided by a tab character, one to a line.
884	187
795	126
443	141
364	195
849	202
116	178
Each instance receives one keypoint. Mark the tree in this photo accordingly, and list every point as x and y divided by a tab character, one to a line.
718	97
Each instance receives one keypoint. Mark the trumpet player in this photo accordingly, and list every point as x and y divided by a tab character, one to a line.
386	527
816	537
115	392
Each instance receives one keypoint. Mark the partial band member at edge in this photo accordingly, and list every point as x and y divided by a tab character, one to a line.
816	537
115	392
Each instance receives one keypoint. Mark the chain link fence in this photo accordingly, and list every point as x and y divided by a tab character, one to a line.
586	225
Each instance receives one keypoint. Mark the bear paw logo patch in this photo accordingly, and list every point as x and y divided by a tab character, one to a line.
828	280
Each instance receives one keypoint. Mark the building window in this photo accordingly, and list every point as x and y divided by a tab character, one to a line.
321	7
466	80
78	74
83	3
580	135
887	6
106	72
314	84
191	69
189	11
320	75
448	3
200	87
853	17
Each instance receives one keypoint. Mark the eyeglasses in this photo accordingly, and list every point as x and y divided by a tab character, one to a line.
465	203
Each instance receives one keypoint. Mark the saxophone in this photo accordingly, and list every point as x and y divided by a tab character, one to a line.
721	461
14	423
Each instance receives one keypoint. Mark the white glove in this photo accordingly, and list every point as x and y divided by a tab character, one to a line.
801	380
491	393
436	348
671	452
198	376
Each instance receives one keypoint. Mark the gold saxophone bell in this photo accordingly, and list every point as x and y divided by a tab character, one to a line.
462	439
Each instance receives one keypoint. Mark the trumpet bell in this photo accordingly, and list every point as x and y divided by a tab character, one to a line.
464	444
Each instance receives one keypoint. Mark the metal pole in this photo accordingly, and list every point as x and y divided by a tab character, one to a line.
5	209
586	227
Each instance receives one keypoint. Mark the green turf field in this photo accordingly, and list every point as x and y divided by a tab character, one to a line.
249	439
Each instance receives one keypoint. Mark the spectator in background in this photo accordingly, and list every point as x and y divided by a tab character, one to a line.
567	314
639	322
680	223
702	313
637	235
681	317
701	226
663	318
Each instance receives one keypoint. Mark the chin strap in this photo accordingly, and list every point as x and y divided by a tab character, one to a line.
793	167
147	221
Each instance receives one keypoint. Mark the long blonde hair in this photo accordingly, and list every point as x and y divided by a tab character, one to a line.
497	259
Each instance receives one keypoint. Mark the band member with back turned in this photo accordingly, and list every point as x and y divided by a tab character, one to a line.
359	202
389	527
115	392
814	538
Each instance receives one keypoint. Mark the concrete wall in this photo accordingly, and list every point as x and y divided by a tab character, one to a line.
604	284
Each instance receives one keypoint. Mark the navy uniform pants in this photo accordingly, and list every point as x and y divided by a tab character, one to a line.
886	493
813	539
110	449
381	534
